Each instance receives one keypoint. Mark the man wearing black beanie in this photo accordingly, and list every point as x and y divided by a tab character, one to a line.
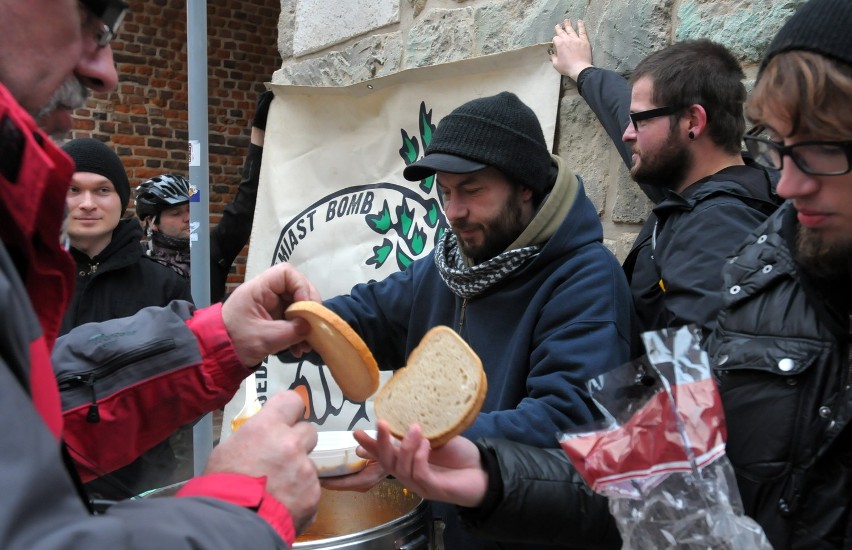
114	279
522	275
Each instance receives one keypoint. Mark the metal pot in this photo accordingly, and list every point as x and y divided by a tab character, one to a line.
388	516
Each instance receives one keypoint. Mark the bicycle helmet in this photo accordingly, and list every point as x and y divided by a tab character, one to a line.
161	192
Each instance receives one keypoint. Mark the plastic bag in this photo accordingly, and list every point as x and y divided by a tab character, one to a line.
660	454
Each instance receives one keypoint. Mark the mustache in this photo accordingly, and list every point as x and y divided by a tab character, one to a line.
462	226
70	95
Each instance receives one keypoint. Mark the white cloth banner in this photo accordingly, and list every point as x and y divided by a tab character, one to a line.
332	200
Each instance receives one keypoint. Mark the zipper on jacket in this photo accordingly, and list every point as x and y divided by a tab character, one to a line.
90	377
92	269
461	316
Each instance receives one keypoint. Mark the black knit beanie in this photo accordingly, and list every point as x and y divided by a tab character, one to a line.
820	26
91	155
498	131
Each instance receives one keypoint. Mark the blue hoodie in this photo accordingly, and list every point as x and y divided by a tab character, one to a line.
558	321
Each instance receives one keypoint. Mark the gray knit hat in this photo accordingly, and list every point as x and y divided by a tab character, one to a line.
91	155
498	131
819	26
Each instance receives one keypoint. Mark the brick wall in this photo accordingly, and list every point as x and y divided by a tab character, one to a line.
146	119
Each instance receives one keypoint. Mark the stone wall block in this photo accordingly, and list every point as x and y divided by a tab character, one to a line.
320	23
585	146
631	204
286	28
440	36
745	26
532	22
375	56
623	33
624	242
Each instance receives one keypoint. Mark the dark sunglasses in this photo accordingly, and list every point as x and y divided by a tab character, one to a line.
816	158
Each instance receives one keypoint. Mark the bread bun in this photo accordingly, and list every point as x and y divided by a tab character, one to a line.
442	389
351	363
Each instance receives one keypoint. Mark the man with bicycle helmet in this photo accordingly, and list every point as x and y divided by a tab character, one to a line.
162	204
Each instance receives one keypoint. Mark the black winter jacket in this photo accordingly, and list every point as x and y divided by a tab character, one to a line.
674	267
781	351
536	497
120	280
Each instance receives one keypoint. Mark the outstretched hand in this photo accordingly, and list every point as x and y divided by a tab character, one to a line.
572	51
253	314
451	473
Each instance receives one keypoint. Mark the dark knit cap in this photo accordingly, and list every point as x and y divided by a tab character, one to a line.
498	131
91	155
820	26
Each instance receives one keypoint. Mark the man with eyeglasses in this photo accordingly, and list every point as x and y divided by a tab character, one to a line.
679	130
781	348
259	485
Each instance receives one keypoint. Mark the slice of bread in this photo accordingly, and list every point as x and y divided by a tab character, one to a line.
347	357
442	388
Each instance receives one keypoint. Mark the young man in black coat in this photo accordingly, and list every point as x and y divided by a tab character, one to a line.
116	279
114	276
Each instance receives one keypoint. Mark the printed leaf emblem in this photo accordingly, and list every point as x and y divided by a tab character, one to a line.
406	217
410	148
381	253
381	222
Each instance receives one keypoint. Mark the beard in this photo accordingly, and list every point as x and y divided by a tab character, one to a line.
498	233
821	258
666	167
70	95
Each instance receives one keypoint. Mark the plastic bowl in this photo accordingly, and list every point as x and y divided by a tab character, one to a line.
335	455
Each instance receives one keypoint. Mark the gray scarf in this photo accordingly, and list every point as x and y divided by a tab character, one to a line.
467	282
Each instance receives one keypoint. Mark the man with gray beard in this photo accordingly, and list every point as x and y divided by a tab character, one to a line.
259	485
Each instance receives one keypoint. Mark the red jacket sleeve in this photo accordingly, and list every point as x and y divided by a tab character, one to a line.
249	492
127	384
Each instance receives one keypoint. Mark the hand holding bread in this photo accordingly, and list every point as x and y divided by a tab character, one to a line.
441	389
347	357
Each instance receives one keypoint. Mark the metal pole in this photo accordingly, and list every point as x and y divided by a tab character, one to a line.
199	204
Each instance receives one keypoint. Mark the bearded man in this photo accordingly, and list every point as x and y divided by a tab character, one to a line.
678	124
523	276
782	345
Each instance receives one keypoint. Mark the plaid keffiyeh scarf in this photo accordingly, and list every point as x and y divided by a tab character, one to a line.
467	282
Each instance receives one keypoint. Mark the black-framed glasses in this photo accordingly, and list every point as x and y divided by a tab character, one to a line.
816	158
636	118
106	16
